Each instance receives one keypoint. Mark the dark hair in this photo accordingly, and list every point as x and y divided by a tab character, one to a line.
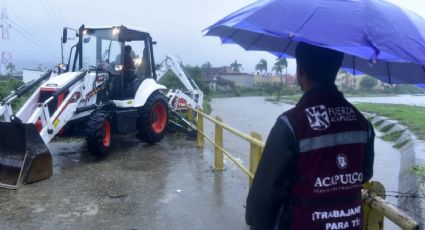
127	48
321	64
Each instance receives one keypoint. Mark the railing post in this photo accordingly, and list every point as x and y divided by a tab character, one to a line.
218	156
255	155
190	114
373	219
200	136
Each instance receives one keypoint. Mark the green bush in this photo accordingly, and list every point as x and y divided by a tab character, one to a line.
171	81
419	170
7	85
368	83
195	73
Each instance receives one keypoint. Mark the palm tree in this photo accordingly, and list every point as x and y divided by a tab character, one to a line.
236	67
206	66
279	65
278	69
262	65
10	68
346	83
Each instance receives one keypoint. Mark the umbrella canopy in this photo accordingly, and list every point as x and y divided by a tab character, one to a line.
377	37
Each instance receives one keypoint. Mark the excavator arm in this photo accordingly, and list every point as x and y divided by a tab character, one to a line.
181	99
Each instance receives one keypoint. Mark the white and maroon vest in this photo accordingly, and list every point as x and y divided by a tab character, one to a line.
331	136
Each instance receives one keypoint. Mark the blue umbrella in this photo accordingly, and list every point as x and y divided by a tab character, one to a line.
377	37
421	86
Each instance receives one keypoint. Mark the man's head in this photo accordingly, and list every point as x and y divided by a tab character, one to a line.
316	65
128	49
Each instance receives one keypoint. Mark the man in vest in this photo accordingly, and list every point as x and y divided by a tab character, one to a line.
317	155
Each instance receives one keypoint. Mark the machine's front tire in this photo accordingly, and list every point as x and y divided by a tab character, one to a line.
98	133
153	119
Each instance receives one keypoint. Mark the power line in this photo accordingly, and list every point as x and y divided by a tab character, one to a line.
33	39
30	34
52	54
27	28
48	12
58	12
6	56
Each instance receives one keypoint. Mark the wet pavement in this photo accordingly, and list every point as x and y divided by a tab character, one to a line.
166	186
169	185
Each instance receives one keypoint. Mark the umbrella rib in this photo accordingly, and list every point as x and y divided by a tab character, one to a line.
354	65
256	40
287	46
388	71
230	37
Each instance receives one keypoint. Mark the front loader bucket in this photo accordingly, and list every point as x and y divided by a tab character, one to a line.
24	158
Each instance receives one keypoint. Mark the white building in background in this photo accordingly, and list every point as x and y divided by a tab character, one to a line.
240	79
31	74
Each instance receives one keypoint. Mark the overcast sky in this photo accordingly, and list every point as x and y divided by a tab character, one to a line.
176	26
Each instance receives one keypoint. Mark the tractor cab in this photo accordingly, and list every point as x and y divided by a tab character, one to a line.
125	53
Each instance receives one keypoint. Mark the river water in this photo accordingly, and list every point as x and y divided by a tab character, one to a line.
418	100
249	114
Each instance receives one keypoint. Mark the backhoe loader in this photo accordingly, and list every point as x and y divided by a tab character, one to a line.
107	87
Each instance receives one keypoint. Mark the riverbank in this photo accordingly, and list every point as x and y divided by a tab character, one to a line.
403	126
279	91
411	174
410	116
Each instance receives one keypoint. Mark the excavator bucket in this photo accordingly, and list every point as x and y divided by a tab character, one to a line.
24	158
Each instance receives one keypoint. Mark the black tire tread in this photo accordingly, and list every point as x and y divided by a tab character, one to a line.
144	126
95	133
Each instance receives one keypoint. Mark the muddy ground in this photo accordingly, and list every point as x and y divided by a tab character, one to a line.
169	185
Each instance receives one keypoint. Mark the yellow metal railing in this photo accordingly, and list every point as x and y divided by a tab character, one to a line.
374	206
255	139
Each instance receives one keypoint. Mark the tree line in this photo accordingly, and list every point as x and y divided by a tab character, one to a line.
278	67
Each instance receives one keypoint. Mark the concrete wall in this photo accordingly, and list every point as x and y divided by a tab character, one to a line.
411	154
241	80
30	74
291	80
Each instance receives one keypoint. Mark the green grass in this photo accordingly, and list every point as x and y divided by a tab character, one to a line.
386	128
409	115
219	94
401	144
207	106
378	123
392	136
419	170
295	98
370	118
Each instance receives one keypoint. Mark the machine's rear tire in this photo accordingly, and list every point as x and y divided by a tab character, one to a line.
98	133
153	119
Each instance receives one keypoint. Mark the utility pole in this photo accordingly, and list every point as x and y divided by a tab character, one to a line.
6	56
